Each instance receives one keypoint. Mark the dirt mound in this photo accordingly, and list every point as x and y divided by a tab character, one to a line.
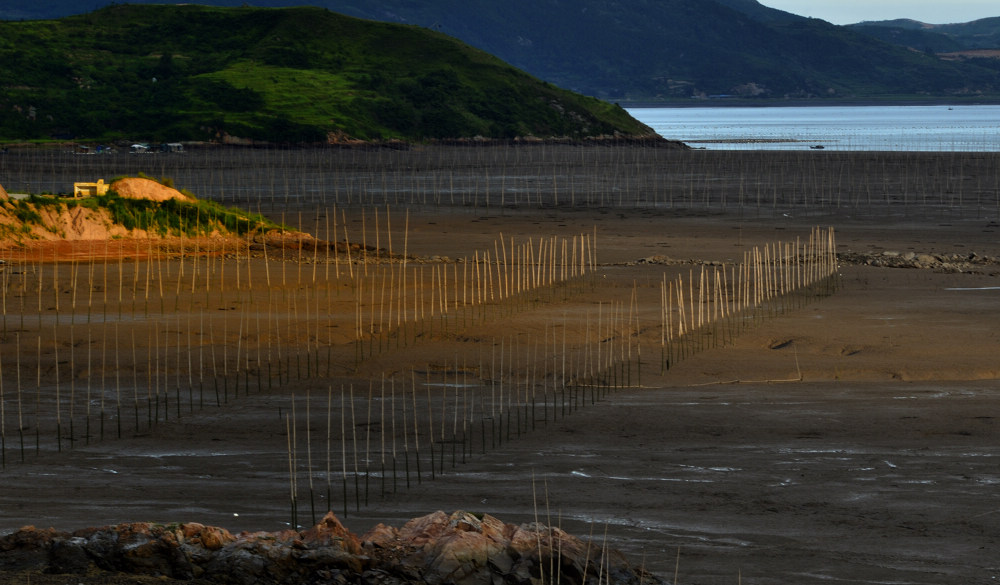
68	221
139	188
3	194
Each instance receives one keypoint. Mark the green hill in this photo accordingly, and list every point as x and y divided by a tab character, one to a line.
156	72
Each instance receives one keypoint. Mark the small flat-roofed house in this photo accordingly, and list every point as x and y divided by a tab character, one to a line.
90	189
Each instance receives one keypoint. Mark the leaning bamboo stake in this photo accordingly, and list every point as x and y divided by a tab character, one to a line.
315	245
593	252
309	464
382	433
343	444
663	323
573	264
336	254
505	281
430	421
693	327
383	325
291	471
72	378
406	440
392	418
477	280
55	350
354	450
20	405
416	428
402	270
3	422
368	439
38	392
329	452
466	415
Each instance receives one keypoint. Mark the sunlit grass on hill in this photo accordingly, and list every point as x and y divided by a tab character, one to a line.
170	218
169	73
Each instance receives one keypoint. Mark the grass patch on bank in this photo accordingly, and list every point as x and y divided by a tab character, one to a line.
173	217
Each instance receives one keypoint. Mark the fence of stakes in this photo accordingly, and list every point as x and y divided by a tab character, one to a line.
94	350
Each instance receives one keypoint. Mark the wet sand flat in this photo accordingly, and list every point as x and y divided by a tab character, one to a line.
850	437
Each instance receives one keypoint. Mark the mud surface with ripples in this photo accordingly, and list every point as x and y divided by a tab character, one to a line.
851	440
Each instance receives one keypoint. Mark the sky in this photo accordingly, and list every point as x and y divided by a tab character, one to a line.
851	11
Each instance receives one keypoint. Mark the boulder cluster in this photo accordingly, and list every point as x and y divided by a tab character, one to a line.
437	549
968	262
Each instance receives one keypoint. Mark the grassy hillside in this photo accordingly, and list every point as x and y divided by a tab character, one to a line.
299	74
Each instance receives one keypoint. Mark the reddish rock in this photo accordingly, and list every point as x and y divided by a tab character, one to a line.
210	537
437	549
331	532
380	536
420	531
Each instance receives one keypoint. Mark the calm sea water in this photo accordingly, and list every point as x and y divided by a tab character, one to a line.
899	128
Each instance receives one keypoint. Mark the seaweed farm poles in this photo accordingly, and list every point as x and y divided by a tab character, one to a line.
767	283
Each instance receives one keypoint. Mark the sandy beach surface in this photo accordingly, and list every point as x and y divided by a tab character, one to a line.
850	436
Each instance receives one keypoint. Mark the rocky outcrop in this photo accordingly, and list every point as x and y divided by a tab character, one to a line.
438	549
969	262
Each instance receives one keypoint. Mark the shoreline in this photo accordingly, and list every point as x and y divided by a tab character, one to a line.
818	102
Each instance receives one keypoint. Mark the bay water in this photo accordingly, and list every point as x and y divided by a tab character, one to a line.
965	128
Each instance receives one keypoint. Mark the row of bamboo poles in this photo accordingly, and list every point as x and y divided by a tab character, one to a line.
114	349
462	294
720	302
492	178
79	345
481	405
413	426
110	389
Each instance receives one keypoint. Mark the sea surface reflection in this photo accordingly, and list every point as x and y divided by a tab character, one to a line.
969	128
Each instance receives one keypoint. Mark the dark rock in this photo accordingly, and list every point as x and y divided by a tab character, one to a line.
28	548
437	549
68	556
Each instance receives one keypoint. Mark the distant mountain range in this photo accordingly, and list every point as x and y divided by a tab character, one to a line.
659	50
978	35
